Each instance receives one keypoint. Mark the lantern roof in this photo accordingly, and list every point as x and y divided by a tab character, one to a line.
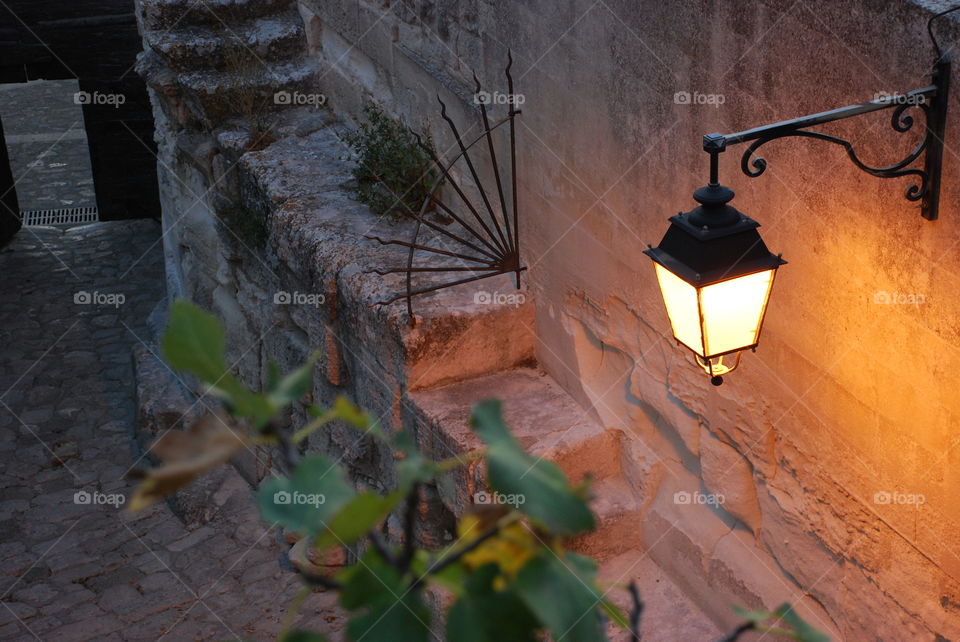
713	242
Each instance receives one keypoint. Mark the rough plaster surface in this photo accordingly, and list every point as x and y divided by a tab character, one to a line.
816	445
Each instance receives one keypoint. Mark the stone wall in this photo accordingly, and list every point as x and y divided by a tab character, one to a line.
832	446
260	228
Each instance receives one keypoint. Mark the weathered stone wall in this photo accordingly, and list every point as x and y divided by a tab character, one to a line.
260	228
849	402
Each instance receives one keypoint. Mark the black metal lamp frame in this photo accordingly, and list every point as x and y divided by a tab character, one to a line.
932	100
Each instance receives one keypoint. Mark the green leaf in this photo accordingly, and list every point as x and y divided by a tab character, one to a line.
483	614
614	613
451	577
295	385
757	617
547	495
389	610
357	518
406	618
353	415
273	374
562	593
804	631
308	500
194	342
245	403
303	636
369	581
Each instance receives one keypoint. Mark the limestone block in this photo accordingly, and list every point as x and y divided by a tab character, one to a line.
680	534
725	472
749	577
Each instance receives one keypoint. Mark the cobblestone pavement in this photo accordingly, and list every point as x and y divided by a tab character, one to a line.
49	154
74	565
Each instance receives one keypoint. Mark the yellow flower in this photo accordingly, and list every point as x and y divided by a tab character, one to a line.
510	549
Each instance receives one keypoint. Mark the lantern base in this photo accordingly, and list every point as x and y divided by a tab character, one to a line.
717	380
715	366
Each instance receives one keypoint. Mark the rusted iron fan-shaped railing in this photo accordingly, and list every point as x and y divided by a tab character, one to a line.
493	244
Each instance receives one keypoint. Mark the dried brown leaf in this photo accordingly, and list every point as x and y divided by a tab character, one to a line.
187	454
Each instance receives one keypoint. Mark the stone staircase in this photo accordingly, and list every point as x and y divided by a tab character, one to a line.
276	38
550	424
225	59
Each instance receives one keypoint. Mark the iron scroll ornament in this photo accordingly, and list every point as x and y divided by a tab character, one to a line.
931	100
494	240
900	122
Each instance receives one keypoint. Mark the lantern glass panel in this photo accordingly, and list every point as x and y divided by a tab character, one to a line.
733	310
680	299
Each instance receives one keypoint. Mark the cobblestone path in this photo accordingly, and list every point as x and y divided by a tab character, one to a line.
74	564
49	156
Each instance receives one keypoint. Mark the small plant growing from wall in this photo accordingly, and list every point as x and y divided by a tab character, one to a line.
393	174
507	571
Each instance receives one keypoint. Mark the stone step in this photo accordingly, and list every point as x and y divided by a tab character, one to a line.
273	38
619	521
669	615
715	561
177	14
543	417
249	94
550	424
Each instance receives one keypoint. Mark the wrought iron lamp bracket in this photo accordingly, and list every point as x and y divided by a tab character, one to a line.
932	100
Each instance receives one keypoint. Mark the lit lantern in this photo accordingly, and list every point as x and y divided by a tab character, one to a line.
715	275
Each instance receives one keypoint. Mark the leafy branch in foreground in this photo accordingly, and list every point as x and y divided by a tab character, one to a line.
507	572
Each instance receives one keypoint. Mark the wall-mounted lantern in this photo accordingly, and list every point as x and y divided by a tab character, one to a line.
715	275
713	269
